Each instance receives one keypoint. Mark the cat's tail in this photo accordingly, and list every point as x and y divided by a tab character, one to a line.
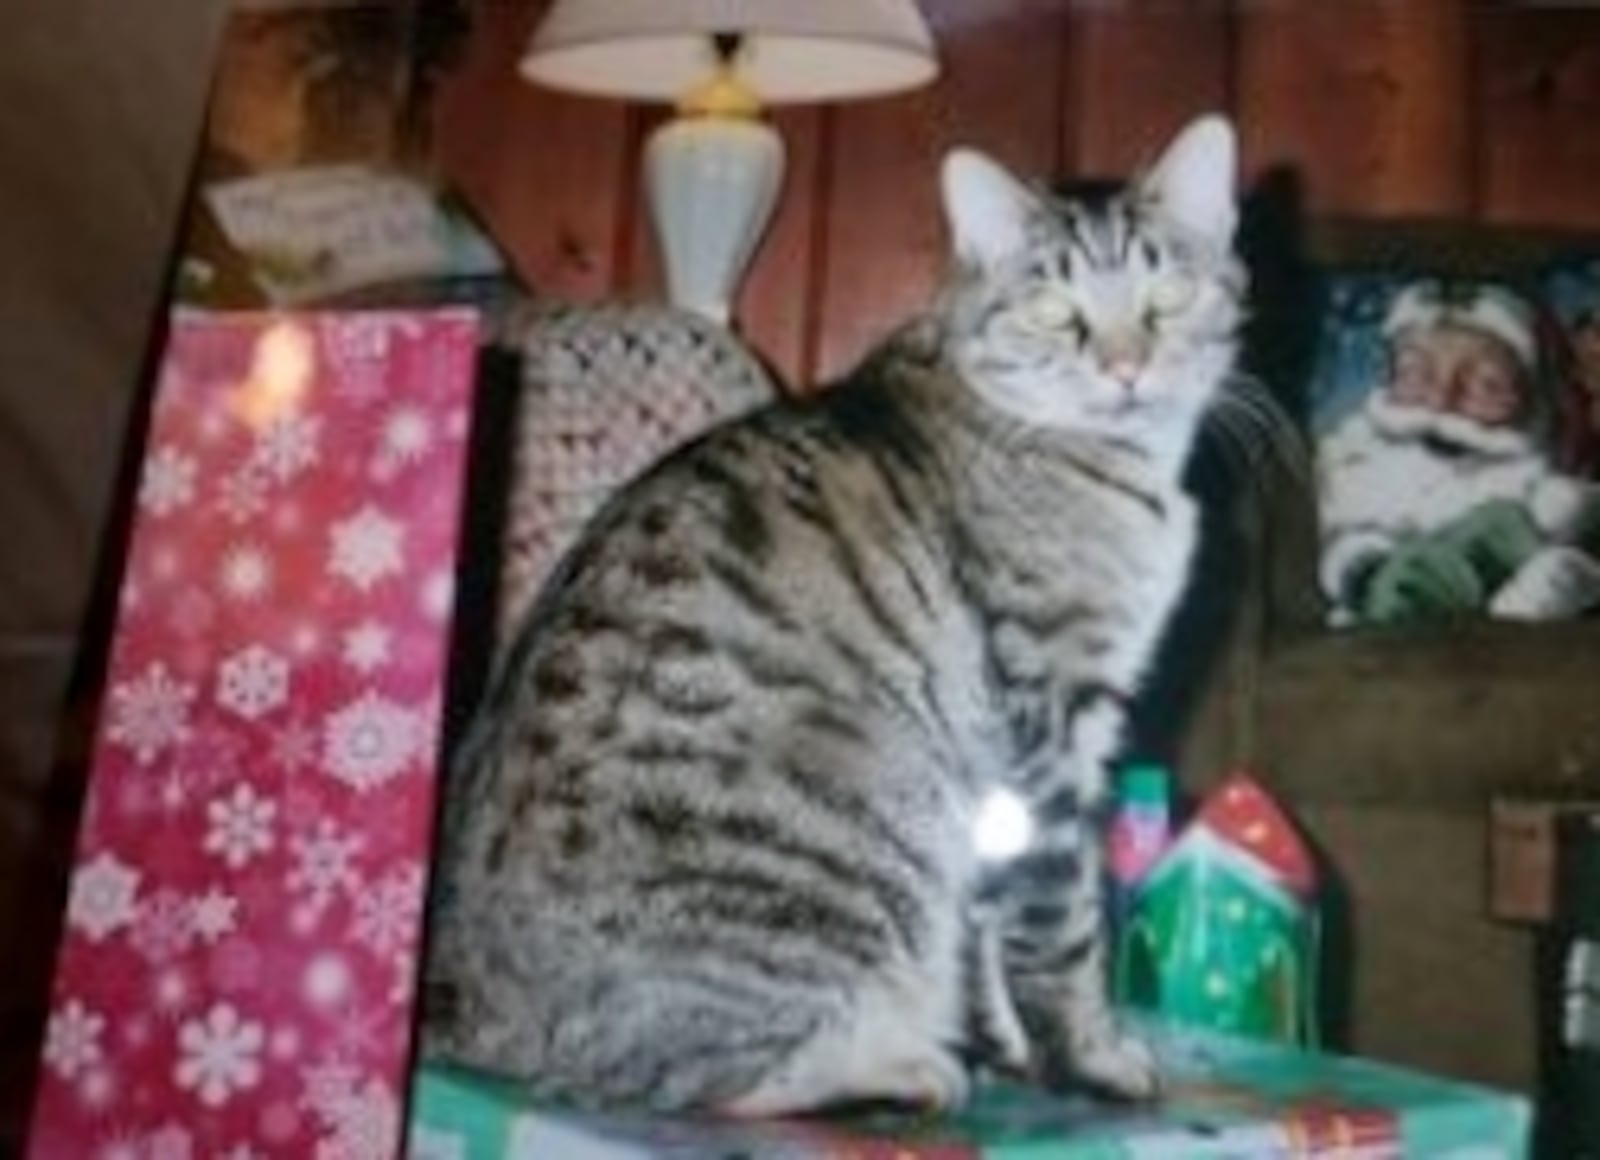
1257	436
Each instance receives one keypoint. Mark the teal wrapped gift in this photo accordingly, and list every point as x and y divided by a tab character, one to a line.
1231	1099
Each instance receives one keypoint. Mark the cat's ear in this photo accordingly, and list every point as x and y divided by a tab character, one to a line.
1194	180
987	208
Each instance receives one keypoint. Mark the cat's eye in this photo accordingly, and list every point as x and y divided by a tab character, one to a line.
1050	312
1053	314
1172	293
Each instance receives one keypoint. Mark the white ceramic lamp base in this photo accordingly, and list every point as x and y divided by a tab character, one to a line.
713	183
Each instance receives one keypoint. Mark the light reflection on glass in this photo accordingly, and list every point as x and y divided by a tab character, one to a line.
281	373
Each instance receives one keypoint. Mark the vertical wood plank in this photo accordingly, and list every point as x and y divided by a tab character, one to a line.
545	171
640	274
1538	115
885	244
1367	98
1136	73
776	303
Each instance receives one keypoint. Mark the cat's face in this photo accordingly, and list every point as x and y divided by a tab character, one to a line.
1114	317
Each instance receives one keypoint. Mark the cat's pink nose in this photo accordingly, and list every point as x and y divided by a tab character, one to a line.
1124	371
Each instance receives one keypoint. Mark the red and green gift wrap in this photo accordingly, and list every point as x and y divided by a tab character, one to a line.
1230	1099
1223	930
235	976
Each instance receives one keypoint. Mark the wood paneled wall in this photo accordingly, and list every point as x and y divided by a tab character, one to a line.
1460	109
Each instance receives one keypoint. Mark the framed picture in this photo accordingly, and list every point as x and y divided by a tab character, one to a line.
1454	408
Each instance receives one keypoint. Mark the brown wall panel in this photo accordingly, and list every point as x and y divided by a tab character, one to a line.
886	245
546	171
778	304
1368	99
1135	73
1538	116
639	274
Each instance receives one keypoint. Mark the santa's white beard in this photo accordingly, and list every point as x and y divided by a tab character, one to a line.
1403	423
1383	469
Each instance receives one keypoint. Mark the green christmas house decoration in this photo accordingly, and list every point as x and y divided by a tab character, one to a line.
1223	931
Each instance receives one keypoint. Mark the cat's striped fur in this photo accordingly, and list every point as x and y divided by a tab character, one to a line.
711	845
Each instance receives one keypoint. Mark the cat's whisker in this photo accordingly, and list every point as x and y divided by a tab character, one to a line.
1255	432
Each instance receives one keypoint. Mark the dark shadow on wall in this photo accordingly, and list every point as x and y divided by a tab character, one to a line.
1253	507
44	885
1242	489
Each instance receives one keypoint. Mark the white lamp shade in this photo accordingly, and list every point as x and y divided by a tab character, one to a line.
791	50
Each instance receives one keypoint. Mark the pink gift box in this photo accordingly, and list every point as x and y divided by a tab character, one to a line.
237	967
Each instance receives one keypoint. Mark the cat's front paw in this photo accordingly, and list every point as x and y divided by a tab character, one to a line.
1116	1063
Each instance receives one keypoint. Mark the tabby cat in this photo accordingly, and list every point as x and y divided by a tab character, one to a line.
787	794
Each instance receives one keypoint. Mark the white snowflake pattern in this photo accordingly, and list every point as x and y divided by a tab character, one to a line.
284	1043
288	518
365	1125
213	915
358	349
136	1031
169	1142
367	548
358	338
408	434
72	1039
324	863
406	438
370	741
236	966
166	565
168	482
241	826
162	928
173	793
103	898
135	798
218	1055
361	1031
289	446
97	1089
192	613
294	746
327	981
367	647
242	494
253	682
387	914
216	755
246	574
403	980
171	991
150	713
326	1085
132	599
305	641
216	424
